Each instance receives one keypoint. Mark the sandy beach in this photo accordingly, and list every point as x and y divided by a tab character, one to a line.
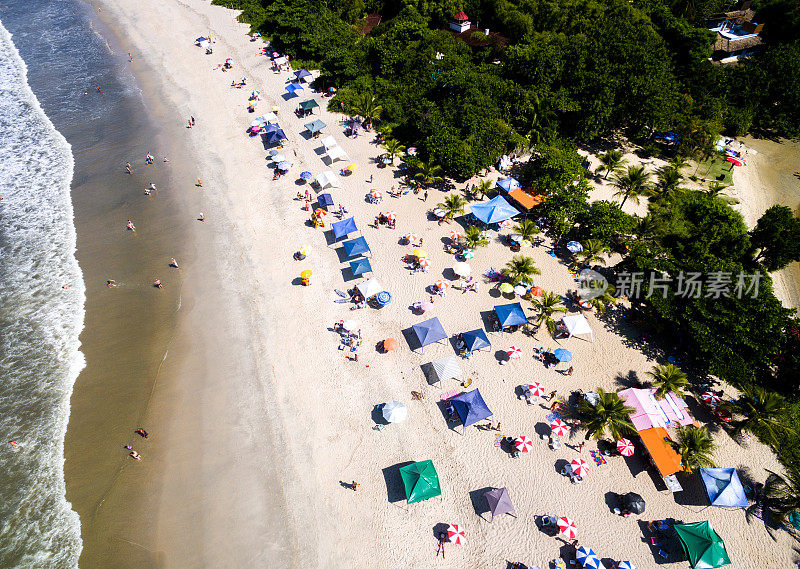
256	418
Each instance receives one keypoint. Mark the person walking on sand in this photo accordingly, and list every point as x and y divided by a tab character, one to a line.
157	283
570	370
202	217
192	120
425	196
173	263
580	447
354	485
14	444
141	432
199	183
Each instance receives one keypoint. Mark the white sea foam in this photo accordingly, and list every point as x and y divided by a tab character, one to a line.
40	322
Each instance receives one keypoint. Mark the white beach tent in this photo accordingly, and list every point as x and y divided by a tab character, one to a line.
329	142
202	41
446	368
280	60
369	288
336	153
328	178
577	324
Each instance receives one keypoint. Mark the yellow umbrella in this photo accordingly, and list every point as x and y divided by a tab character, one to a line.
305	274
352	167
506	287
306	250
420	253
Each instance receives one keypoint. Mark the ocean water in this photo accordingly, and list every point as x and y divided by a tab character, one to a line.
50	69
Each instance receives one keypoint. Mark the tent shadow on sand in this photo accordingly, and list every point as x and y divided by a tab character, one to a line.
377	415
395	490
479	503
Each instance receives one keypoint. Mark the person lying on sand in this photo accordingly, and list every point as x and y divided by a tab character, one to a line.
134	454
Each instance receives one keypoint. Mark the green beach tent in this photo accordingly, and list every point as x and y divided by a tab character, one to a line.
421	481
703	546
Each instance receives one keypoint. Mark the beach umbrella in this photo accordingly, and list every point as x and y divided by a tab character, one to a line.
625	447
536	389
559	428
258	122
375	194
386	160
711	398
274	136
421	481
520	290
506	287
352	167
625	565
420	253
424	263
439	212
305	175
462	269
349	325
579	467
453	235
394	412
305	274
567	527
563	355
526	243
274	108
229	60
634	502
390	344
425	306
469	254
390	215
320	212
383	298
499	502
587	558
255	94
411	237
306	250
702	545
278	157
523	444
440	284
536	291
516	238
284	166
514	353
412	151
574	247
455	534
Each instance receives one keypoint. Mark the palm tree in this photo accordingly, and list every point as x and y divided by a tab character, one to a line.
520	268
527	228
782	494
695	446
592	253
366	106
668	180
610	414
678	162
601	301
668	378
473	238
762	410
453	204
631	184
428	173
394	149
483	188
547	305
611	161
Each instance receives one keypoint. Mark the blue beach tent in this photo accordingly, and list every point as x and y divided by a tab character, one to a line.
274	136
429	332
510	314
315	126
302	74
272	127
508	184
344	227
293	88
360	266
494	211
476	339
470	408
325	200
723	487
357	246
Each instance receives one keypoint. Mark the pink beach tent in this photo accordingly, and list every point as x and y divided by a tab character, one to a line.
652	413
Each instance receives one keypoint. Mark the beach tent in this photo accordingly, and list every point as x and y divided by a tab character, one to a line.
202	42
650	413
494	211
280	60
336	153
325	200
293	88
510	314
499	502
309	105
328	178
577	324
476	340
360	266
270	117
329	142
275	135
508	184
421	481
357	246
664	457
724	487
369	288
470	408
315	126
302	74
344	228
272	127
703	546
446	368
429	332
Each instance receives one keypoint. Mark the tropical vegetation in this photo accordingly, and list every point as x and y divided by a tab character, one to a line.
520	269
547	305
668	379
696	447
608	416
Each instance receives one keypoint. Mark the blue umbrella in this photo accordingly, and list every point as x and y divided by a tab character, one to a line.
284	165
275	136
383	298
563	355
325	200
305	175
588	558
626	565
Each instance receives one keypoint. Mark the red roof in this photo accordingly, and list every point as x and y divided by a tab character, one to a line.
461	17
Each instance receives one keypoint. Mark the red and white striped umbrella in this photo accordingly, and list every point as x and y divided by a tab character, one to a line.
375	193
559	428
711	398
454	235
456	534
411	237
514	353
536	389
625	447
579	467
506	223
568	528
523	444
441	285
424	263
390	215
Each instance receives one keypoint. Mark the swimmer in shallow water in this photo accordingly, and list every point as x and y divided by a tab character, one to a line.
173	263
130	225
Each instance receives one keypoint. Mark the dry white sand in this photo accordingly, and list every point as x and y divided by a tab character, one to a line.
318	405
